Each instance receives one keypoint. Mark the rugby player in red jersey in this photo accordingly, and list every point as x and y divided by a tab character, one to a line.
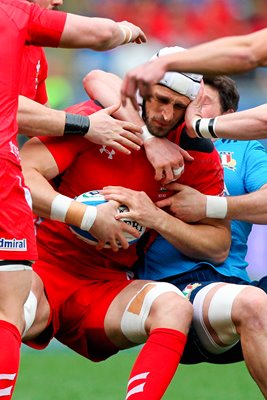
25	23
93	305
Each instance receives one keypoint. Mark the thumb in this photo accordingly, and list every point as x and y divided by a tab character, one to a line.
186	155
112	109
176	186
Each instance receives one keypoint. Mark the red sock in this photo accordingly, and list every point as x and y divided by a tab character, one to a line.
156	364
10	342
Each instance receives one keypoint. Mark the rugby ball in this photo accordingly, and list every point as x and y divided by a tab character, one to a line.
94	198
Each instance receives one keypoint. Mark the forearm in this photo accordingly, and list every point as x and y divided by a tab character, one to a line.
194	240
243	125
228	55
251	207
43	195
105	87
94	33
34	119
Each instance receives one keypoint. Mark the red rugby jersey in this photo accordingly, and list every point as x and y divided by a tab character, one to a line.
21	22
85	166
33	74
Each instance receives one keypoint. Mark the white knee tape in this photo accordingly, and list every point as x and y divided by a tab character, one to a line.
135	315
219	315
15	267
30	308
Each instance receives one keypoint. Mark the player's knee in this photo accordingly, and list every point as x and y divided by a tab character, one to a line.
213	320
156	305
249	309
170	310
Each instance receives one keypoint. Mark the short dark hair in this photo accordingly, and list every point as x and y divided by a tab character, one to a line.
227	89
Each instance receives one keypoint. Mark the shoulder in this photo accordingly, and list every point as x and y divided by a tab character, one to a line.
195	144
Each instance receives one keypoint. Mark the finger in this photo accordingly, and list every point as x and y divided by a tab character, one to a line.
124	215
169	175
122	242
177	172
129	90
114	244
178	187
100	245
115	196
163	203
186	155
112	109
129	229
159	174
121	148
129	126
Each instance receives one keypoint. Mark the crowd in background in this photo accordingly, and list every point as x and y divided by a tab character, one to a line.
166	22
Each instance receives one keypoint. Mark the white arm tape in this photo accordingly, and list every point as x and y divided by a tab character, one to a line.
216	207
124	29
205	127
88	218
59	207
146	135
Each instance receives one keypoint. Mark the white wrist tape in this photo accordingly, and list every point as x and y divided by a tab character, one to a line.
59	207
88	218
146	135
205	127
127	32
216	207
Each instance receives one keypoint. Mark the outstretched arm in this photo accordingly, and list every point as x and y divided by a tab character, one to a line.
99	33
34	119
190	205
242	125
227	55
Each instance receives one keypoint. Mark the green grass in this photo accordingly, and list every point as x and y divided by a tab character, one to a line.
60	374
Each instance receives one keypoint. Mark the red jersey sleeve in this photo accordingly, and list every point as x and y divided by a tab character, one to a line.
45	26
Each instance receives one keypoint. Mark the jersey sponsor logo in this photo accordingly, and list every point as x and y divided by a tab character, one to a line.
109	153
13	244
38	67
227	160
14	150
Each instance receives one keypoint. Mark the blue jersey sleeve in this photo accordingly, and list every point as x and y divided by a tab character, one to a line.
255	166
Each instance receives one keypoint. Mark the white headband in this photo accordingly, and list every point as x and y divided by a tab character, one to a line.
187	84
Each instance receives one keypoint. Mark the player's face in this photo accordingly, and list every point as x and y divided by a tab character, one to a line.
48	4
211	106
164	110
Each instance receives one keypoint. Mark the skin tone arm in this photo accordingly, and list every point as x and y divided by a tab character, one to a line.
190	205
241	125
39	167
98	33
34	119
162	154
192	240
228	55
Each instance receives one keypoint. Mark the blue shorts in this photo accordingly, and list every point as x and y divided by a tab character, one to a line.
205	275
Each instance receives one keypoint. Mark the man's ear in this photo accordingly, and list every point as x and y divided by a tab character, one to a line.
230	111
